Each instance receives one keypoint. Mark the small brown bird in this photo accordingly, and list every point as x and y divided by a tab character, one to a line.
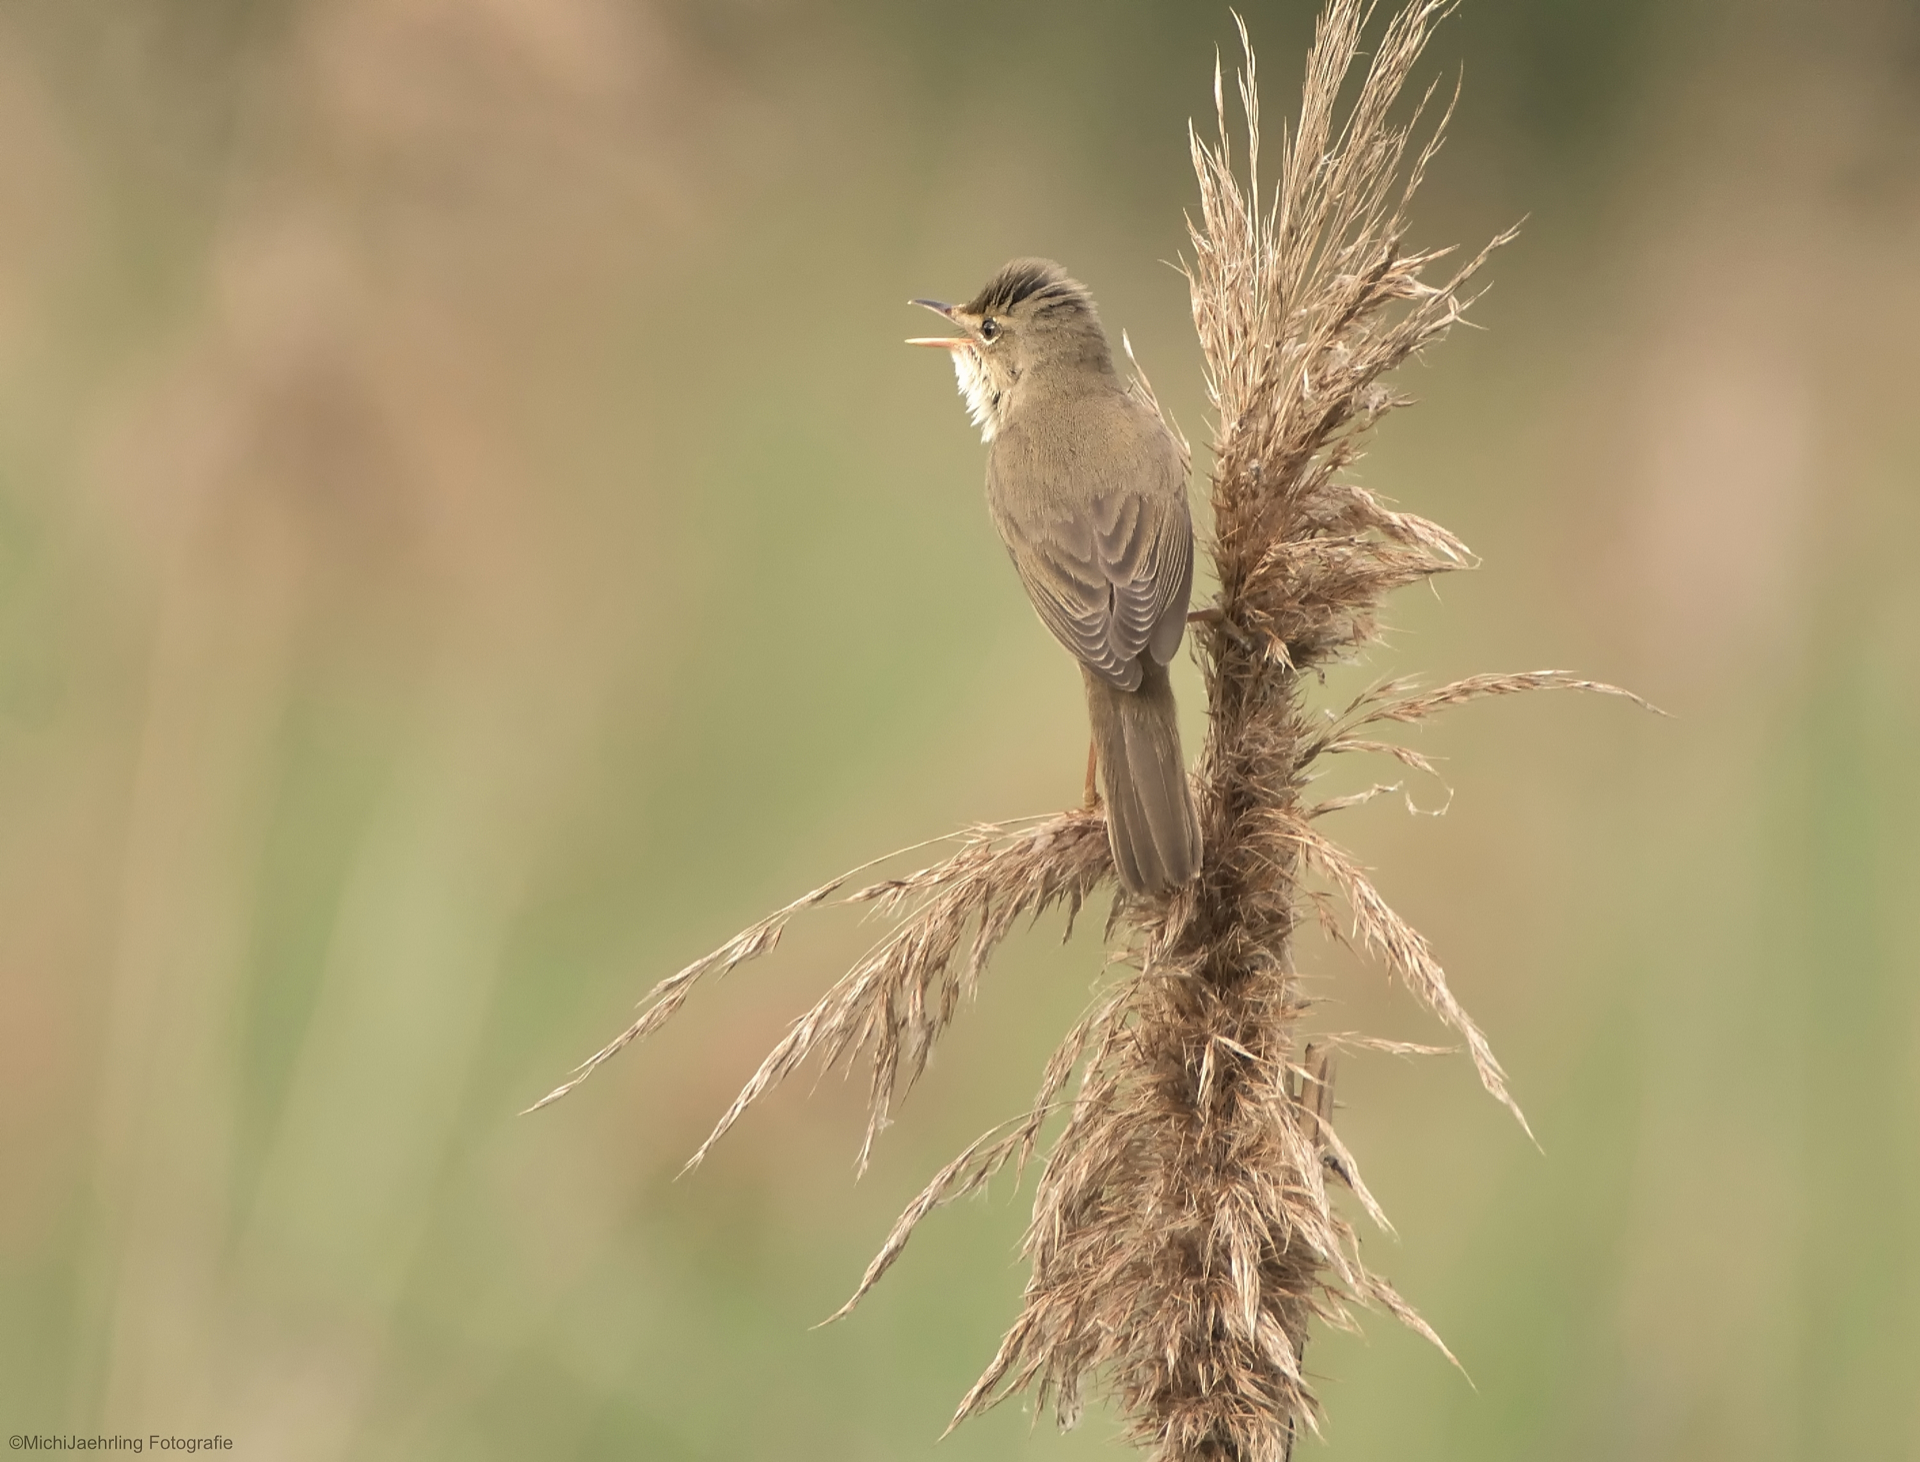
1089	491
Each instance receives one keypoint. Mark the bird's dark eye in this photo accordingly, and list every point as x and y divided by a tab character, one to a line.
989	330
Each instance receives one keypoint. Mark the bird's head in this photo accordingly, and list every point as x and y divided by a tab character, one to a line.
1031	331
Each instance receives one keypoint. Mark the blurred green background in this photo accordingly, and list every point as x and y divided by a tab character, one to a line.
470	539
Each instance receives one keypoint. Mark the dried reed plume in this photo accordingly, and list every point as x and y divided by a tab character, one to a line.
1183	1233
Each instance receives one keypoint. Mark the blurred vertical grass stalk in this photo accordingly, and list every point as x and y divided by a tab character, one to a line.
352	579
1184	1232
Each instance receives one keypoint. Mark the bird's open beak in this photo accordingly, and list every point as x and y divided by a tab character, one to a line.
945	342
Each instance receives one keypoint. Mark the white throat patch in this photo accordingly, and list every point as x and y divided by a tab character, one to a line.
982	400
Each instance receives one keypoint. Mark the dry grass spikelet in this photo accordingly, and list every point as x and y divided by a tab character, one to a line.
1184	1233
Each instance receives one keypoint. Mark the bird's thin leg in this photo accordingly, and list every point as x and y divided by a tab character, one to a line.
1093	786
1213	618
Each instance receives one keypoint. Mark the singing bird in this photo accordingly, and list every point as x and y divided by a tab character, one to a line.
1089	491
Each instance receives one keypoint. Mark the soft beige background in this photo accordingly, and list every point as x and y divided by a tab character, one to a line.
470	539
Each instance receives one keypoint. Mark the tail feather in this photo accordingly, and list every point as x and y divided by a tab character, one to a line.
1151	823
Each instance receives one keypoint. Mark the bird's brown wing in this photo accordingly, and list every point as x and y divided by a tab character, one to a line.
1104	545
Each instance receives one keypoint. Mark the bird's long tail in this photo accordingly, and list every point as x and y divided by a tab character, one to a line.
1151	824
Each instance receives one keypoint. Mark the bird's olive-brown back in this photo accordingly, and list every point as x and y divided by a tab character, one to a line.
1088	490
